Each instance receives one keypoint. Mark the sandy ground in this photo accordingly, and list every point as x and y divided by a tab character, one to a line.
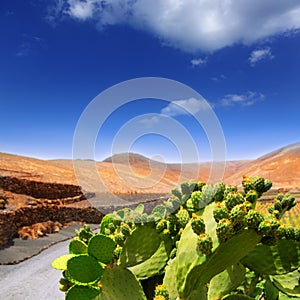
33	279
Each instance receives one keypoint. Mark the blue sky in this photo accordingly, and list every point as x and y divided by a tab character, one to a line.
243	57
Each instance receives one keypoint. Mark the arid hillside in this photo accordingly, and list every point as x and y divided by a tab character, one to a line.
134	173
282	167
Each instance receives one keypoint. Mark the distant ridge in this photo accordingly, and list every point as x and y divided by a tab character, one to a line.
281	166
134	172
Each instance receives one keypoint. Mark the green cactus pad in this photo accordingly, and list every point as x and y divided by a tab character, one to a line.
79	292
84	269
199	293
140	245
272	260
155	264
102	248
170	279
194	269
60	263
121	284
159	211
139	209
227	281
77	246
288	283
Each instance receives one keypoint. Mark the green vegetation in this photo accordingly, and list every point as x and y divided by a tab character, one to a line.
206	242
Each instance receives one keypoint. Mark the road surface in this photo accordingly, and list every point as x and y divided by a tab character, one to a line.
33	279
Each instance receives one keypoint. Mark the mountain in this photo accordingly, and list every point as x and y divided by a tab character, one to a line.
127	173
281	166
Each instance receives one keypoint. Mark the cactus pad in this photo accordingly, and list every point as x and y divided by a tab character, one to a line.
140	245
288	283
159	211
102	248
272	260
155	263
121	284
60	263
194	269
84	269
77	292
225	282
77	246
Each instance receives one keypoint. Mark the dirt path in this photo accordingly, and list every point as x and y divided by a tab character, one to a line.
33	279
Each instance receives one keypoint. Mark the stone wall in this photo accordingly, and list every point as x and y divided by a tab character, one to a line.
39	189
11	221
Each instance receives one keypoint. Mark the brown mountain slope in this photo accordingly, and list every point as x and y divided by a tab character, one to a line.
34	169
135	173
282	167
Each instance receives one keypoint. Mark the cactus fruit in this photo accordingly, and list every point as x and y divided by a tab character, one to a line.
232	199
161	225
125	229
200	185
224	230
289	233
259	184
160	290
85	233
118	251
220	212
282	203
196	198
205	243
119	238
253	219
230	189
237	214
251	196
183	217
268	227
198	225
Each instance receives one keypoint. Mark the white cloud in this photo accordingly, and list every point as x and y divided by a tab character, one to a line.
192	25
260	54
198	61
82	9
183	107
246	99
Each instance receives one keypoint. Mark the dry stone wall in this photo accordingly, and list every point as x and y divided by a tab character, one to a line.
11	221
39	189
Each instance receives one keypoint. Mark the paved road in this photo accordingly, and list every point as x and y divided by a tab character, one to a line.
33	279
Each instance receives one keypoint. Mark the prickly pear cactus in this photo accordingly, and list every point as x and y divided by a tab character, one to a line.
206	242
